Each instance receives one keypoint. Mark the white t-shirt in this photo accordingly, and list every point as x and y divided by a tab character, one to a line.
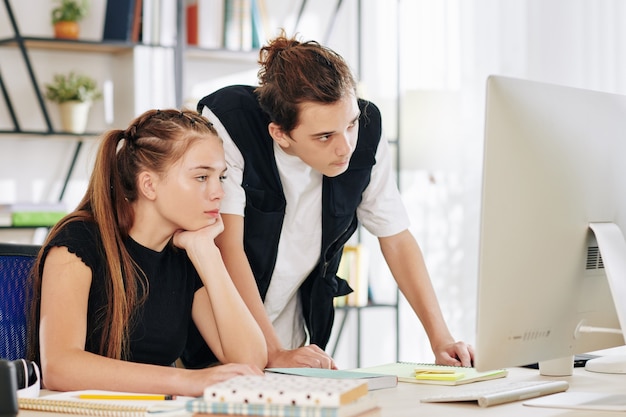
381	212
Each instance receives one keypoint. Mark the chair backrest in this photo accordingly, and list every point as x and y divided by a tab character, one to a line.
16	262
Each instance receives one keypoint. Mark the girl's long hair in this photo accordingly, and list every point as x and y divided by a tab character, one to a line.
153	141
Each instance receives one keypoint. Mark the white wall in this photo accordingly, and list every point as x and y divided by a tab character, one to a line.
578	43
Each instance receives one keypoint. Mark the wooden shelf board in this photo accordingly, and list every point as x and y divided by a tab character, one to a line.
70	45
47	133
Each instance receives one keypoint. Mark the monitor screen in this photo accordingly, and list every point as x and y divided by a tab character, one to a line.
554	163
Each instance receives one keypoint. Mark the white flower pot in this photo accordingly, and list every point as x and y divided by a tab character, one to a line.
74	115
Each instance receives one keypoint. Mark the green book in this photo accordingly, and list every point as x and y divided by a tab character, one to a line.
428	373
36	218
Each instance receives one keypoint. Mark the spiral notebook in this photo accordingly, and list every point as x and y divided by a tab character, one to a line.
70	403
428	373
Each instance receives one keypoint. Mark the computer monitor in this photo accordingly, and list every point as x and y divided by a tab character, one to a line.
554	164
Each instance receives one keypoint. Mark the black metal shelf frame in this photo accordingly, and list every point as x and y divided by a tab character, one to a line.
22	43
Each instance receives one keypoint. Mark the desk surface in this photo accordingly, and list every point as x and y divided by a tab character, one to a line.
404	400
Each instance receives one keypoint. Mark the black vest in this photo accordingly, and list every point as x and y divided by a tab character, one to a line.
238	110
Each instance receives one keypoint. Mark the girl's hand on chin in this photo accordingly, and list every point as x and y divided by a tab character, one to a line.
203	236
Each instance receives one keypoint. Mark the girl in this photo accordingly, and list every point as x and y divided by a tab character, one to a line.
119	280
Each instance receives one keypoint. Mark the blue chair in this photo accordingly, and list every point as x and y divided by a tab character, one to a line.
16	262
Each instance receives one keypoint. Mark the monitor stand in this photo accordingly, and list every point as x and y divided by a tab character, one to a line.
557	367
613	250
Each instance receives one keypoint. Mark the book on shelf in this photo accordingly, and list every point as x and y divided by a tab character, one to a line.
353	267
261	26
191	16
146	21
135	34
258	36
374	381
31	214
246	24
232	25
118	20
362	407
274	388
6	217
211	23
159	24
168	32
428	373
155	25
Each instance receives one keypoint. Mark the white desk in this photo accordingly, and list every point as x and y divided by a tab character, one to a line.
404	400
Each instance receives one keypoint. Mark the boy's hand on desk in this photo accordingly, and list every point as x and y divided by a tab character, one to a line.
455	354
310	356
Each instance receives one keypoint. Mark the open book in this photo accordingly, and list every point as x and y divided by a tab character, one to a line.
427	373
374	381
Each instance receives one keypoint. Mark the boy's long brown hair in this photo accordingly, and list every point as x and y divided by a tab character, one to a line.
153	141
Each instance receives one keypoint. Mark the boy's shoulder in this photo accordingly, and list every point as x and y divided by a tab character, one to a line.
230	98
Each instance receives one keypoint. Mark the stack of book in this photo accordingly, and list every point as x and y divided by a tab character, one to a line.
354	268
31	214
151	22
238	25
286	395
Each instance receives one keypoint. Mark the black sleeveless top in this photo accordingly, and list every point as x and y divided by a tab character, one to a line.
160	325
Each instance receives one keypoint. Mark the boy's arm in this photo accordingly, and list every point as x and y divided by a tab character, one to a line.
405	260
230	242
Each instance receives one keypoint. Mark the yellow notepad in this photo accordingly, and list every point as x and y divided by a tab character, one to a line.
439	374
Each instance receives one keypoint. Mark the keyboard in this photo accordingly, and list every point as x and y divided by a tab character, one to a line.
504	392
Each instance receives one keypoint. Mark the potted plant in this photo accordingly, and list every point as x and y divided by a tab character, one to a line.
65	18
74	93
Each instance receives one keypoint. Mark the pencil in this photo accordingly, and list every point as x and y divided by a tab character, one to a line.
153	397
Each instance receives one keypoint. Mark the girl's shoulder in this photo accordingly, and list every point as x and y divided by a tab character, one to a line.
80	237
78	230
